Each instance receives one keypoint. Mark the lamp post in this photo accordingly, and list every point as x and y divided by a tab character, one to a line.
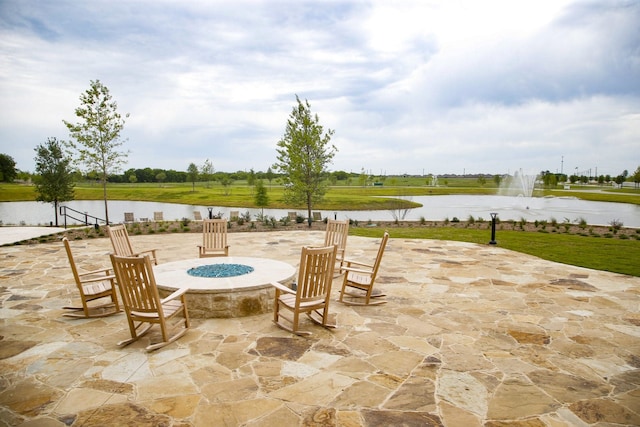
210	213
335	215
494	215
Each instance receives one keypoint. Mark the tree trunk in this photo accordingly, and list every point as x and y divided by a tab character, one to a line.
106	207
55	207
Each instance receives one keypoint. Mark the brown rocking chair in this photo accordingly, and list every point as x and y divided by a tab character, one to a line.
312	292
122	245
92	286
142	302
361	277
336	234
214	238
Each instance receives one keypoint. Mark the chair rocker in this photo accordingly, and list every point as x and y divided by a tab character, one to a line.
214	238
122	245
336	234
359	279
312	293
93	286
143	305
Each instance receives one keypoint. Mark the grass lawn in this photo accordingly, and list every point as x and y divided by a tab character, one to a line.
610	251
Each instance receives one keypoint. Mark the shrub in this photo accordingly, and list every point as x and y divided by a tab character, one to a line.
582	223
471	219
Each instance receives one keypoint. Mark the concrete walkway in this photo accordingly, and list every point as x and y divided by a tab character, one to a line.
10	235
472	335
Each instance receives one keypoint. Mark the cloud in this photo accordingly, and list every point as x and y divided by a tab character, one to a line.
409	87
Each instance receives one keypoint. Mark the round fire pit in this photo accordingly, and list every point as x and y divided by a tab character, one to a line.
224	286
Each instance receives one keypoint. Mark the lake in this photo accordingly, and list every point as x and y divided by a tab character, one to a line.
435	208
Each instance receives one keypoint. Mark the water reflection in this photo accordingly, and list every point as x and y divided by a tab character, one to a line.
434	208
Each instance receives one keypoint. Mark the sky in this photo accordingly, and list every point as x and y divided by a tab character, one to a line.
409	87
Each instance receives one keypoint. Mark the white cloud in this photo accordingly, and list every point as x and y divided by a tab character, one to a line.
411	86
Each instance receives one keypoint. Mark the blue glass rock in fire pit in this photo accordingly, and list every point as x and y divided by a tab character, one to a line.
220	270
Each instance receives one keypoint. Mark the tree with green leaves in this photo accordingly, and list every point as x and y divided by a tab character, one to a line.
303	154
7	168
96	136
192	174
53	178
261	196
269	175
207	171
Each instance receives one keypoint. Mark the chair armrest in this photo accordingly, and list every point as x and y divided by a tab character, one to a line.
84	280
283	288
174	295
349	262
356	270
148	251
106	271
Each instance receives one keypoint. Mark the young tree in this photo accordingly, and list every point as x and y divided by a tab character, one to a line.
303	155
192	173
269	175
97	135
207	171
53	178
261	197
7	168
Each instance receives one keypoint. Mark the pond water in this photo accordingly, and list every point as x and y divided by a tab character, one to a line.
435	208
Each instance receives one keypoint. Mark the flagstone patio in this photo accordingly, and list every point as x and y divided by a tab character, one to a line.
472	335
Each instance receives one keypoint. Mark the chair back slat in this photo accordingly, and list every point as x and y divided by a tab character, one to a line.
72	263
336	234
315	274
137	284
214	234
376	264
120	240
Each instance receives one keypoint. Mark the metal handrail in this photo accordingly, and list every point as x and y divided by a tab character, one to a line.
84	216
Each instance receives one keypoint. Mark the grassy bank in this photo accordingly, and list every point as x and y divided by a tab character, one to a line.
607	250
596	251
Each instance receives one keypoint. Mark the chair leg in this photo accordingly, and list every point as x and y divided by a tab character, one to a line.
135	335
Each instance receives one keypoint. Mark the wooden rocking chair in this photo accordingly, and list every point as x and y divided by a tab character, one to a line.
142	302
214	238
312	293
336	234
92	286
122	245
361	277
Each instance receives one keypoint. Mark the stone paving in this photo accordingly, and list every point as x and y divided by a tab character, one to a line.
472	335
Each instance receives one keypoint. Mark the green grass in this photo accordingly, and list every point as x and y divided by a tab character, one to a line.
598	253
601	253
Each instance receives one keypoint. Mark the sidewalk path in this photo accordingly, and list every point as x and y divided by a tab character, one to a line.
10	235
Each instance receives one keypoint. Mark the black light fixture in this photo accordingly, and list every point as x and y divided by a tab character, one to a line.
494	216
210	213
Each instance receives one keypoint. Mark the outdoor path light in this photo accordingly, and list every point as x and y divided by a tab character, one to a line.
494	215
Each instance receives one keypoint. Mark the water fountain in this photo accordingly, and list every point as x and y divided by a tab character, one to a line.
520	184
